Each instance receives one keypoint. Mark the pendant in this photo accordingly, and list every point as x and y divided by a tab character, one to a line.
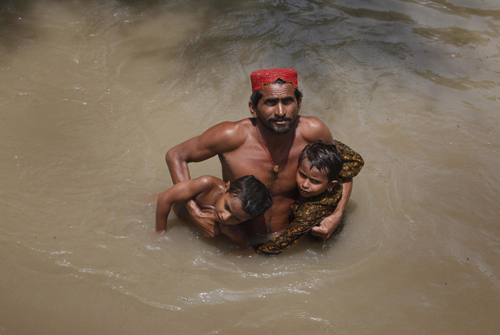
276	168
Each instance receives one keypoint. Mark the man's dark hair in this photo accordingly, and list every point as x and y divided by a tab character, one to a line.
257	95
254	195
324	157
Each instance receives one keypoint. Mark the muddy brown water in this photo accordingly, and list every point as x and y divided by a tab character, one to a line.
93	93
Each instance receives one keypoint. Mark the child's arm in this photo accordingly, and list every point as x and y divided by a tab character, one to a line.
307	216
183	191
298	228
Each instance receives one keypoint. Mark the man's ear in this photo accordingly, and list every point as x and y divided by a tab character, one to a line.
299	104
332	184
252	108
226	187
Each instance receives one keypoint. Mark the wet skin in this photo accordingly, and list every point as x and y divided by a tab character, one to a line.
240	153
278	108
228	210
311	181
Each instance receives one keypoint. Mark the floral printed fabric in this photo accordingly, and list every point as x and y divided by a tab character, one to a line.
311	211
307	214
353	162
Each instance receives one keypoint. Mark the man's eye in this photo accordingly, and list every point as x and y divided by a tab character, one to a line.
287	101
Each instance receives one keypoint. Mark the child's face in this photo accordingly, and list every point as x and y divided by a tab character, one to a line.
312	182
228	210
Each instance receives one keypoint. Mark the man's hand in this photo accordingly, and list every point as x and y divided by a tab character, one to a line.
204	221
327	226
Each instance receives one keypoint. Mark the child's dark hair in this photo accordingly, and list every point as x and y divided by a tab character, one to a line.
254	195
324	157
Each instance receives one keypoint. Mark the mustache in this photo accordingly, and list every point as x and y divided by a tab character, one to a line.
284	118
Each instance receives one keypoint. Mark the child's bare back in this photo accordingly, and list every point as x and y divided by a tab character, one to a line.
229	203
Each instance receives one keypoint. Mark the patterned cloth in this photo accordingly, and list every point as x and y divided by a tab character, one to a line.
353	162
309	212
269	76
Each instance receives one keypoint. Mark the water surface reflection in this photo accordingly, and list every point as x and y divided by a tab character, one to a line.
94	93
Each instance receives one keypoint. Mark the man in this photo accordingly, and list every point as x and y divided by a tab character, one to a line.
266	146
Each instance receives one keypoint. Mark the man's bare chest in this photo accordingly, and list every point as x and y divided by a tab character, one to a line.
277	172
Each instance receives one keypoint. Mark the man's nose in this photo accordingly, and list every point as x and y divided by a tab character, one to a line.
280	111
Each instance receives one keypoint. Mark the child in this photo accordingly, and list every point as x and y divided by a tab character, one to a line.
319	168
230	203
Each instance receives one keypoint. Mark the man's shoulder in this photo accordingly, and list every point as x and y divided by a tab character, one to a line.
313	129
234	127
311	121
229	134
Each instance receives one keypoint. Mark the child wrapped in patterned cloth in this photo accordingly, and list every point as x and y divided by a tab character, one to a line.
319	181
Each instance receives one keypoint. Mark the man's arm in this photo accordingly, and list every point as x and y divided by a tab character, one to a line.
353	163
299	227
181	191
219	139
236	234
330	223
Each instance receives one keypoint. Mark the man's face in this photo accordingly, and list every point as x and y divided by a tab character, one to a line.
278	108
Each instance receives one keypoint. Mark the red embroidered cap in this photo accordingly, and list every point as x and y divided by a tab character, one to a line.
269	76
